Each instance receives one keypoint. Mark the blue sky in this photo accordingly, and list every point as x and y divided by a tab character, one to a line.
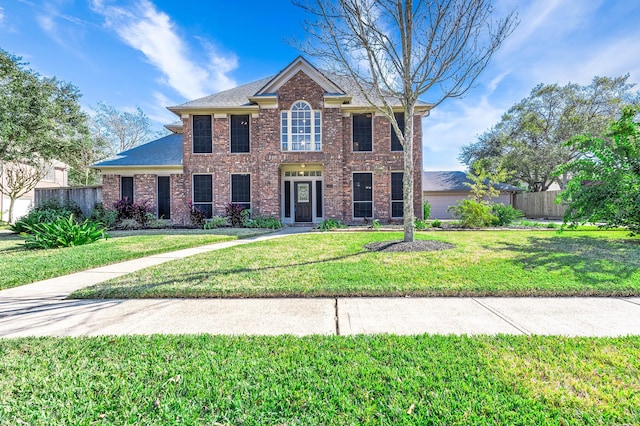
152	53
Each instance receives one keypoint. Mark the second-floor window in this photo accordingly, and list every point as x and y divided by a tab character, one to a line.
202	134
300	128
239	133
362	132
395	141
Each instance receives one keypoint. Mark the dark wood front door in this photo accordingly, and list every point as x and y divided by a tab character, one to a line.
302	200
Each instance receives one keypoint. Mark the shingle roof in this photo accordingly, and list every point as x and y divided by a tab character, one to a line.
238	96
453	181
166	151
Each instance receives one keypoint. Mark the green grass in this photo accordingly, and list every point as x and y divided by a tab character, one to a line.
336	264
382	380
20	266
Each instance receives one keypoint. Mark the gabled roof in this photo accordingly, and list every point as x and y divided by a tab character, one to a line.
166	151
245	96
454	181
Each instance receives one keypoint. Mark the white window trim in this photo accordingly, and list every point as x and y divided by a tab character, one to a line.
373	210
287	114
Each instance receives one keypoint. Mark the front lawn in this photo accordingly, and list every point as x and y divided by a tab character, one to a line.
20	266
334	380
482	263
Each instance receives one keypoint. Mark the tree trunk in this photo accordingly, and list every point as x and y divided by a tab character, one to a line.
407	179
11	203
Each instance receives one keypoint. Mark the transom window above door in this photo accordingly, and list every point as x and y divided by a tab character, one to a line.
300	128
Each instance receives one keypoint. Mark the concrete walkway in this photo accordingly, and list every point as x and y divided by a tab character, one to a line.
41	309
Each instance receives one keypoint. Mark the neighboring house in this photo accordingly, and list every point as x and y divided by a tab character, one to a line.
302	146
445	189
56	176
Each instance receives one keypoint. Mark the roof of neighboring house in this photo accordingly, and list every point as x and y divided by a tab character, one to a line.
166	151
239	96
454	181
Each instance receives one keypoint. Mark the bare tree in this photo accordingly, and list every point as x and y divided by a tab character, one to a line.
18	178
121	130
399	50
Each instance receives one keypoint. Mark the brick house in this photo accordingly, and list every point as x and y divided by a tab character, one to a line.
302	146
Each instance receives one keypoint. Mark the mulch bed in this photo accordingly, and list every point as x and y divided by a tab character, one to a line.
401	246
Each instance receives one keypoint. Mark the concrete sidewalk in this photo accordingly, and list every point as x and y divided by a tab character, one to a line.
41	309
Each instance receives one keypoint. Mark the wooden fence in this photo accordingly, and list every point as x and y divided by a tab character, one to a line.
539	204
86	197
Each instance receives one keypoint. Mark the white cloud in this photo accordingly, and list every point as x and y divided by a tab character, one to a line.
453	125
1	16
153	33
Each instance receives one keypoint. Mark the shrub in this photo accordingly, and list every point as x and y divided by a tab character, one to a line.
129	224
375	225
48	211
106	217
420	224
505	215
135	211
329	224
233	212
472	214
426	210
215	222
436	223
264	222
63	232
196	216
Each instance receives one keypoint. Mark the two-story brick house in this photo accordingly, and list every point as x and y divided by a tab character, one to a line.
302	146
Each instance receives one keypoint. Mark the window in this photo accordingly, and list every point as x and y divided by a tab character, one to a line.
50	174
126	189
202	135
395	142
241	190
203	194
239	133
362	132
300	128
287	198
362	195
164	197
397	204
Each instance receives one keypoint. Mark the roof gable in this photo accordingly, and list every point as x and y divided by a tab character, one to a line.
300	64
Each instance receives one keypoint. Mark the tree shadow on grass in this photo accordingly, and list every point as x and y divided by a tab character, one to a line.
143	290
593	261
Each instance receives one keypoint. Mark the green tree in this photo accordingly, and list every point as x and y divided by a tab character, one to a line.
398	50
40	121
605	183
482	187
530	138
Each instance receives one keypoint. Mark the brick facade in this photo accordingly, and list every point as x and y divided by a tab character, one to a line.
265	161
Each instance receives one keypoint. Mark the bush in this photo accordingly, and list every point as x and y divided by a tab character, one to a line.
215	222
233	212
129	224
420	224
106	217
263	222
426	210
48	211
63	232
136	211
329	224
196	216
436	223
375	225
472	214
505	215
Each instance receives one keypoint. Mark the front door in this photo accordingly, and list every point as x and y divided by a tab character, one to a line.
302	201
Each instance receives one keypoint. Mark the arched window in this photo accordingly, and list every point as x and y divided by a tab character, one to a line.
301	128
